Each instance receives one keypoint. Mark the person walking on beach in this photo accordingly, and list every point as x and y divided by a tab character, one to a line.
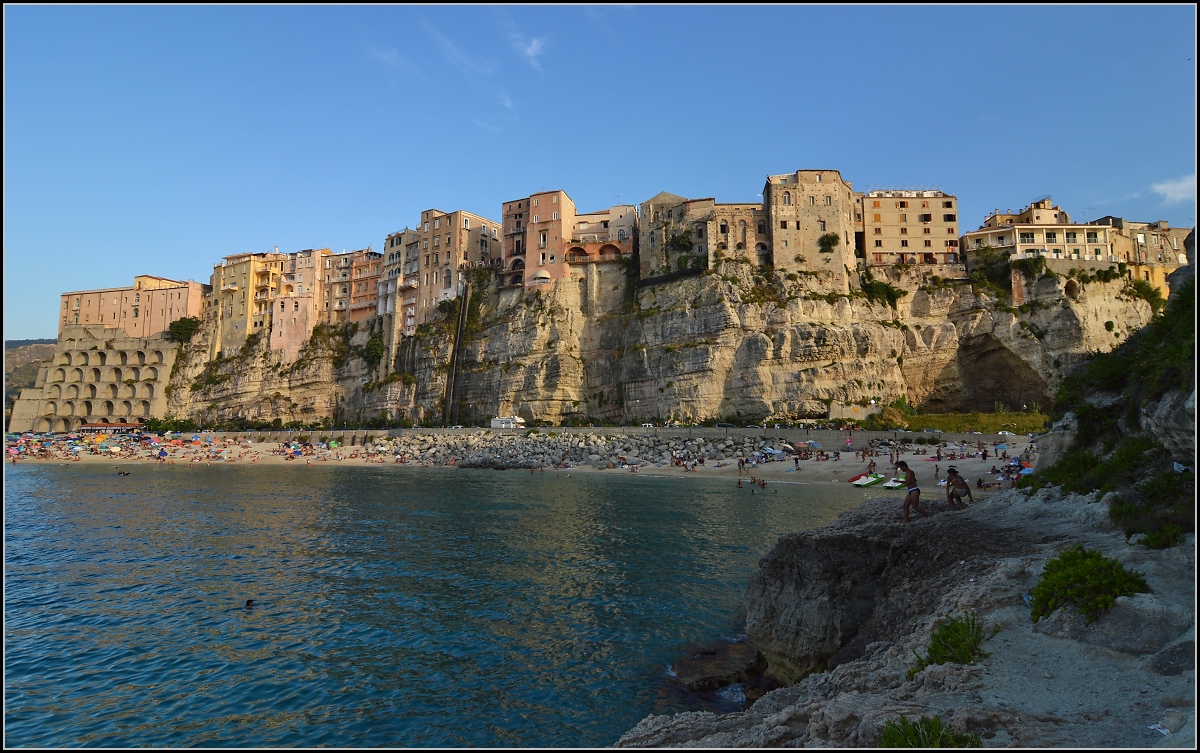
913	498
955	486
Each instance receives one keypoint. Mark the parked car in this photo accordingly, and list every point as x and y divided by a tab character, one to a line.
725	426
753	426
456	426
647	426
1007	433
932	431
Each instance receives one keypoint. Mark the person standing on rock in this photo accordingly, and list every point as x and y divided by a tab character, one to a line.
913	498
955	486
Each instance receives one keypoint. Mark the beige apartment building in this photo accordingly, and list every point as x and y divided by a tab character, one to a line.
243	288
142	310
447	242
544	235
366	268
910	227
396	298
295	308
1043	229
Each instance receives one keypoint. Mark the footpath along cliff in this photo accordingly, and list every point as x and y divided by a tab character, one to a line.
732	342
837	613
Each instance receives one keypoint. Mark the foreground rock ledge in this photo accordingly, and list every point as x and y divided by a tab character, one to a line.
839	610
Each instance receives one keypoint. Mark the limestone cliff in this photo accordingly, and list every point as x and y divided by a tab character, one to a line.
729	342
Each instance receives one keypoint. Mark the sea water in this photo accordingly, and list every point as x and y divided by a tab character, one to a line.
392	607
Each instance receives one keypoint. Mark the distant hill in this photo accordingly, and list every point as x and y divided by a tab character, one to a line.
22	359
10	344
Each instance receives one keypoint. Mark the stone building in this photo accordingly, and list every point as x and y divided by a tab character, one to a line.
97	375
802	208
910	227
1153	250
397	297
544	235
677	233
1043	229
144	309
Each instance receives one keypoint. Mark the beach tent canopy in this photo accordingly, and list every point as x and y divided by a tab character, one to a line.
1001	446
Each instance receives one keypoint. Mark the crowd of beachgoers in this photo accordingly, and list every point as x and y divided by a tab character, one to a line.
985	465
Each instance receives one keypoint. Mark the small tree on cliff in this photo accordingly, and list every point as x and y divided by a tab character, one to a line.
373	350
828	242
182	330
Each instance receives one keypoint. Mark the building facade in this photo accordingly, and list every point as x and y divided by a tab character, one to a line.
910	227
446	243
144	309
1043	229
805	211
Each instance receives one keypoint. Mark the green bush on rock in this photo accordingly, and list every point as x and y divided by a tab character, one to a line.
955	641
926	732
1085	579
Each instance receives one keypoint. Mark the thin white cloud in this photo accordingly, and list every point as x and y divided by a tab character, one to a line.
393	60
1176	191
465	63
529	49
505	101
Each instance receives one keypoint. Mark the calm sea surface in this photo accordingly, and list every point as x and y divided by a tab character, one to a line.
395	607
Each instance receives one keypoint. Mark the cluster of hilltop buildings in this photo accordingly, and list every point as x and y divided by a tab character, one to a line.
810	220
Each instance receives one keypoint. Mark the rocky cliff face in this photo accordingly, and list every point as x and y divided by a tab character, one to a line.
729	343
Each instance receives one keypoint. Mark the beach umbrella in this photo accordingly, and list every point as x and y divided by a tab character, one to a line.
13	451
162	453
297	453
815	444
1026	471
1001	446
76	448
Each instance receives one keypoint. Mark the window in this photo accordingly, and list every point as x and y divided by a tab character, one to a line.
904	218
925	218
903	244
535	218
902	204
553	199
947	205
818	177
812	201
878	244
1051	236
877	218
446	280
828	201
926	230
620	235
783	224
878	231
543	258
551	258
928	243
874	204
535	203
437	240
903	231
436	224
435	259
762	228
466	224
1093	237
949	218
725	228
924	204
1026	238
787	199
135	313
950	230
821	225
952	243
554	215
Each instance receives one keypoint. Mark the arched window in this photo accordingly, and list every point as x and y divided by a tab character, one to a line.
787	198
446	280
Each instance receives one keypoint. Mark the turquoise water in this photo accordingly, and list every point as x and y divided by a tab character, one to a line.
393	607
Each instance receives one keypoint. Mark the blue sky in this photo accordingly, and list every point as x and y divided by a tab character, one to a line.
157	140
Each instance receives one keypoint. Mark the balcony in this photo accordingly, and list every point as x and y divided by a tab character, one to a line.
514	231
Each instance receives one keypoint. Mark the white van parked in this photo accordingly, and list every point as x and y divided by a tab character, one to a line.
508	422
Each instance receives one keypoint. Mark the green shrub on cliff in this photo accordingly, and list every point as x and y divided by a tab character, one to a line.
955	641
1085	579
926	732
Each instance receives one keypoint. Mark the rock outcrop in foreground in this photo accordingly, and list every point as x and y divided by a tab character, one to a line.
841	610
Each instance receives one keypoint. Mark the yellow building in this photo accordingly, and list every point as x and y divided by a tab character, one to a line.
445	242
243	289
910	227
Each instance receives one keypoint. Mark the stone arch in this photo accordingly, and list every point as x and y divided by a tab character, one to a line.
130	390
158	357
111	390
108	408
141	358
94	375
54	390
44	425
105	421
1072	290
72	391
517	279
147	390
122	358
609	249
87	408
144	408
62	424
577	253
126	408
740	247
151	373
68	408
518	264
135	374
51	408
83	359
102	358
91	390
64	359
60	375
